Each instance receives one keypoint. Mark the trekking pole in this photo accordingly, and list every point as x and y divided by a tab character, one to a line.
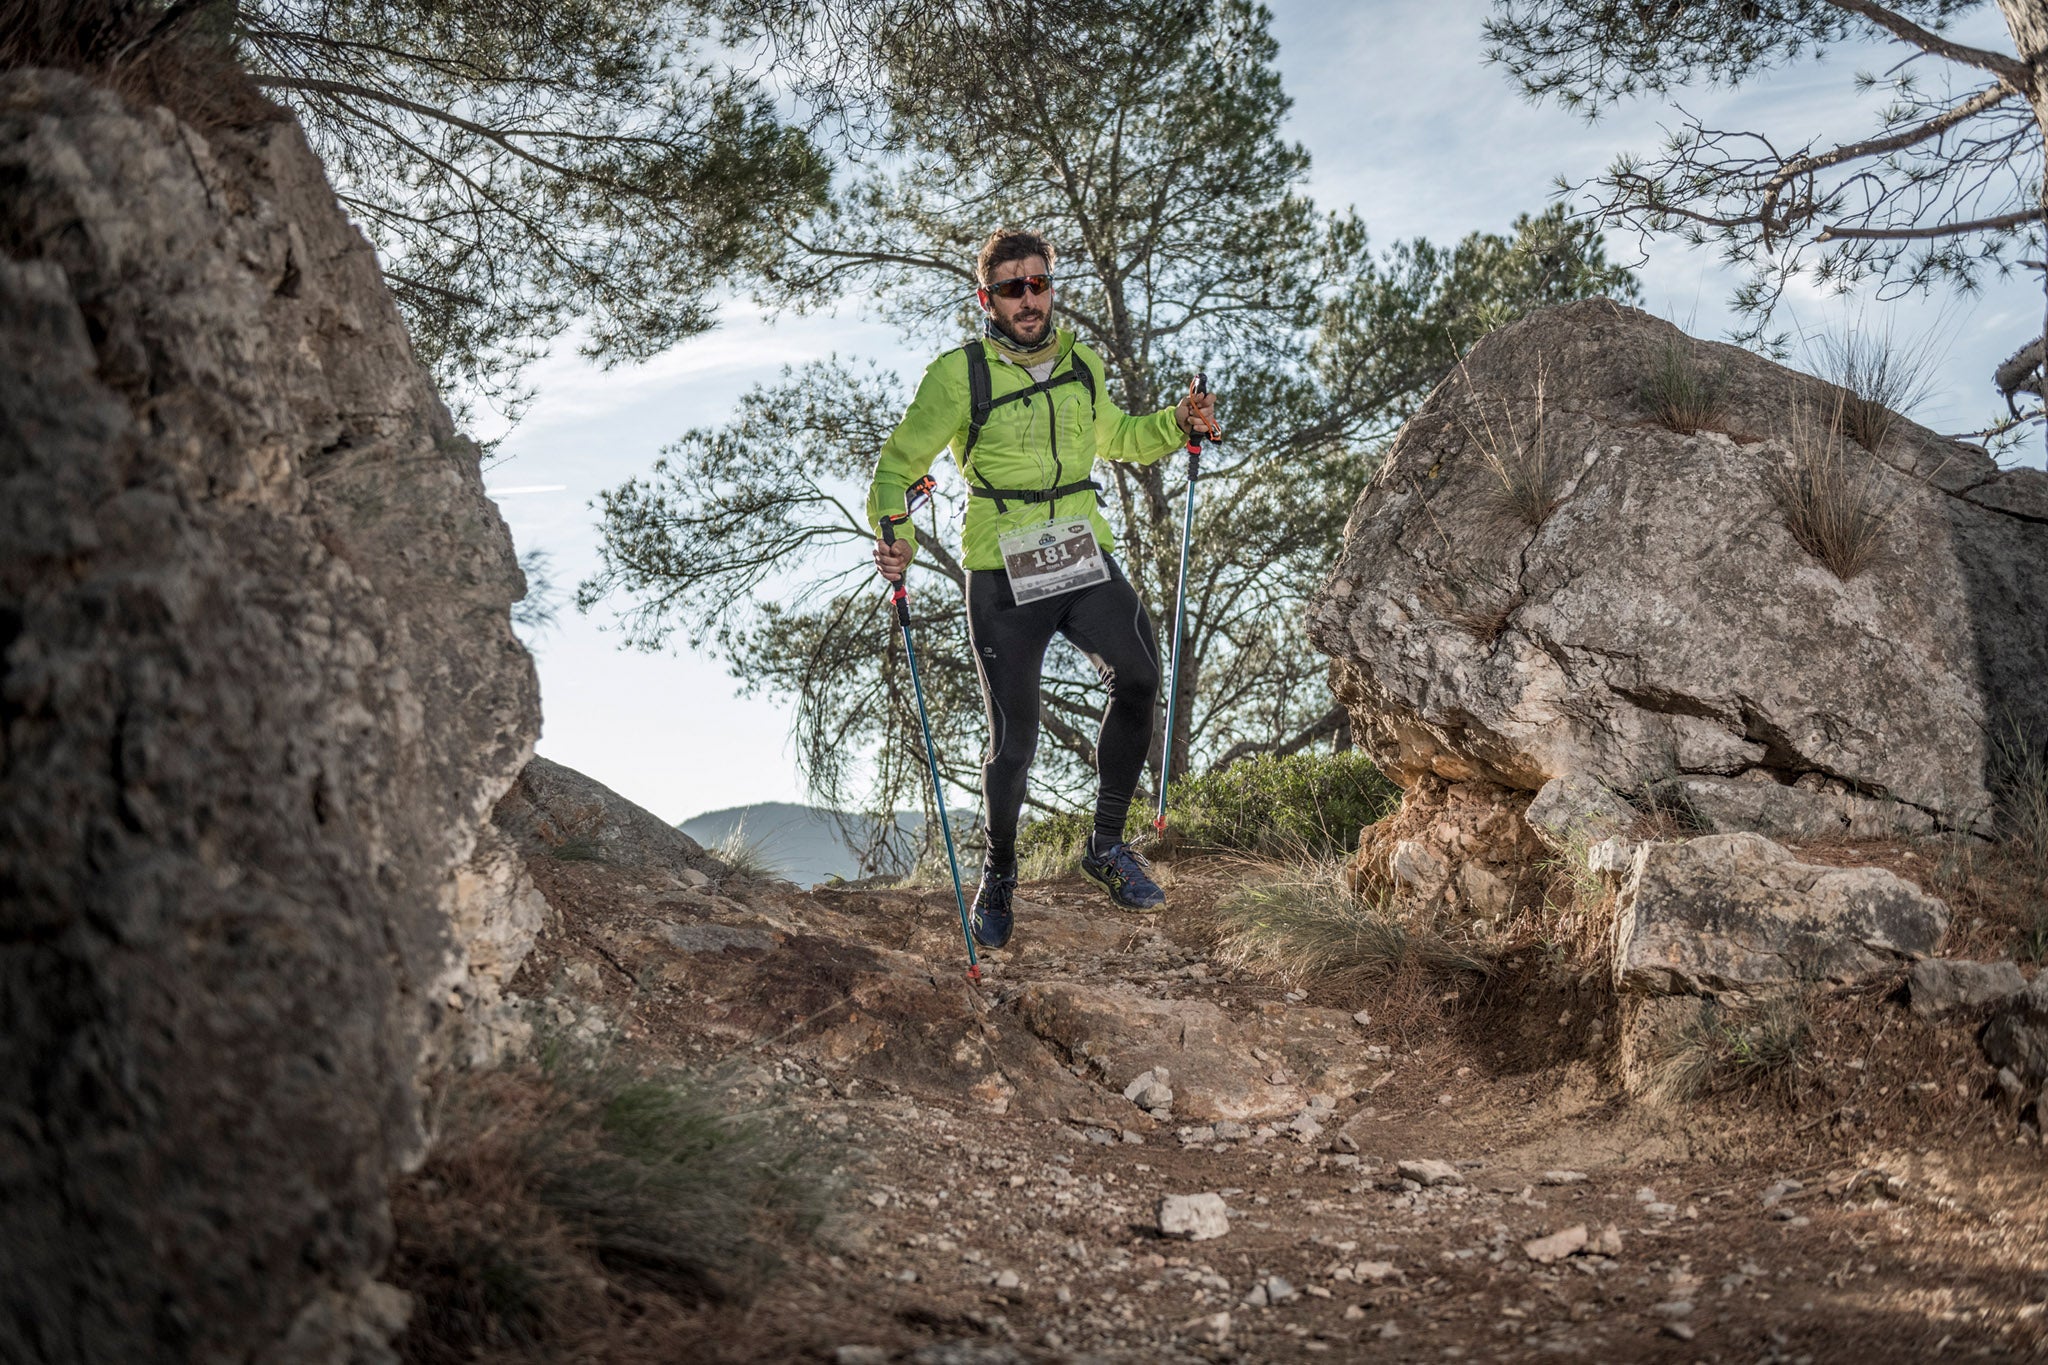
901	597
1200	384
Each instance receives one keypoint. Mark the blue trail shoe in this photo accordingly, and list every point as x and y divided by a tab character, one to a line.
1125	875
990	919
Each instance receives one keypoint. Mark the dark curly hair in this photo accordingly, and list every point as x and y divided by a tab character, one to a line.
1009	244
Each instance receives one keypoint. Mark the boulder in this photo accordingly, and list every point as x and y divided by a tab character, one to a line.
1572	813
557	811
1660	619
1939	985
259	691
1735	914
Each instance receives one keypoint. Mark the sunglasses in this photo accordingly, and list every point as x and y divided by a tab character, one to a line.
1014	289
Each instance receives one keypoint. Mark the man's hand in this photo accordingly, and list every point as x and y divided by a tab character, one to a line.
893	561
1196	412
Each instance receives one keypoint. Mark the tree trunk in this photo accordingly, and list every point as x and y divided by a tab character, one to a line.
2027	21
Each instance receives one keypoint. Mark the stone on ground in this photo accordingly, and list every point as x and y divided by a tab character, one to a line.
1429	1171
1573	812
1197	1217
1557	1246
1939	985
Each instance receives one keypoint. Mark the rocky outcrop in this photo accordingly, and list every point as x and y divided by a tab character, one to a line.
260	693
1462	849
1737	915
1648	614
557	811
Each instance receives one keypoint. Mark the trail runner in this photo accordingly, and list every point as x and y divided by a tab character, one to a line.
1038	552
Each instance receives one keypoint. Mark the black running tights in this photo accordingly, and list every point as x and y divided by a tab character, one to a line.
1106	622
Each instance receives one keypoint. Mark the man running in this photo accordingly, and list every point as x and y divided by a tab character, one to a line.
1037	551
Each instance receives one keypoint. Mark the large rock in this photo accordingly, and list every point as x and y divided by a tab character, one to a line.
1662	620
258	693
1735	914
557	811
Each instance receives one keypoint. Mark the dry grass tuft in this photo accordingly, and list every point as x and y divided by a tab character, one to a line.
1878	377
1299	921
1720	1048
1837	502
2019	777
748	856
1532	476
1681	394
564	1204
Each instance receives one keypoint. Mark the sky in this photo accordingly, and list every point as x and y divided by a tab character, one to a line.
1401	119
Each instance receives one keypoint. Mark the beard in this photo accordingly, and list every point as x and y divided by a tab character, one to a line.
1030	331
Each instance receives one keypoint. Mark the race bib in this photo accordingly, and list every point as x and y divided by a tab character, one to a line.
1060	556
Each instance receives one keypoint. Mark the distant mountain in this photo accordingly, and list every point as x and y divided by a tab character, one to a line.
803	843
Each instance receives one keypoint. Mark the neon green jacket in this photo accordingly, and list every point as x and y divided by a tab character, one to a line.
1018	447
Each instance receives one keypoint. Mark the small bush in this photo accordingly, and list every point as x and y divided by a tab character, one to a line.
1301	922
1306	803
1682	395
1265	804
1837	504
545	1182
1049	846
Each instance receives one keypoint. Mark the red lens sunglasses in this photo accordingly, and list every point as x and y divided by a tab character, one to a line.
1014	289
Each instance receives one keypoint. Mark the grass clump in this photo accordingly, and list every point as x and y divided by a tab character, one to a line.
563	1203
1720	1048
2019	779
1302	922
1879	377
1532	476
748	855
1837	503
1680	393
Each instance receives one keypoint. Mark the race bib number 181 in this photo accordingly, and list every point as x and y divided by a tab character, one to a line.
1043	561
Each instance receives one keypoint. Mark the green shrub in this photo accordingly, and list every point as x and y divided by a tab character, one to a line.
1304	803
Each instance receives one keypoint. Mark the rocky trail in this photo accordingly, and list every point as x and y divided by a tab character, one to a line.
1421	1173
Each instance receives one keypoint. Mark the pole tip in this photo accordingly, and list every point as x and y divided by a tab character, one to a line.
1159	823
974	972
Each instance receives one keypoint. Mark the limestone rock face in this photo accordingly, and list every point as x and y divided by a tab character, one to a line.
1735	914
258	694
1661	620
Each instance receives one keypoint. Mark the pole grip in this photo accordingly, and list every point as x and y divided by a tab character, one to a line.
899	593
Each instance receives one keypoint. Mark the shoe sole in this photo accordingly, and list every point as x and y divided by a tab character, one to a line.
1089	873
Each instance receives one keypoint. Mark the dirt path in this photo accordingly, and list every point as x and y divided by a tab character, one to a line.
999	1195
